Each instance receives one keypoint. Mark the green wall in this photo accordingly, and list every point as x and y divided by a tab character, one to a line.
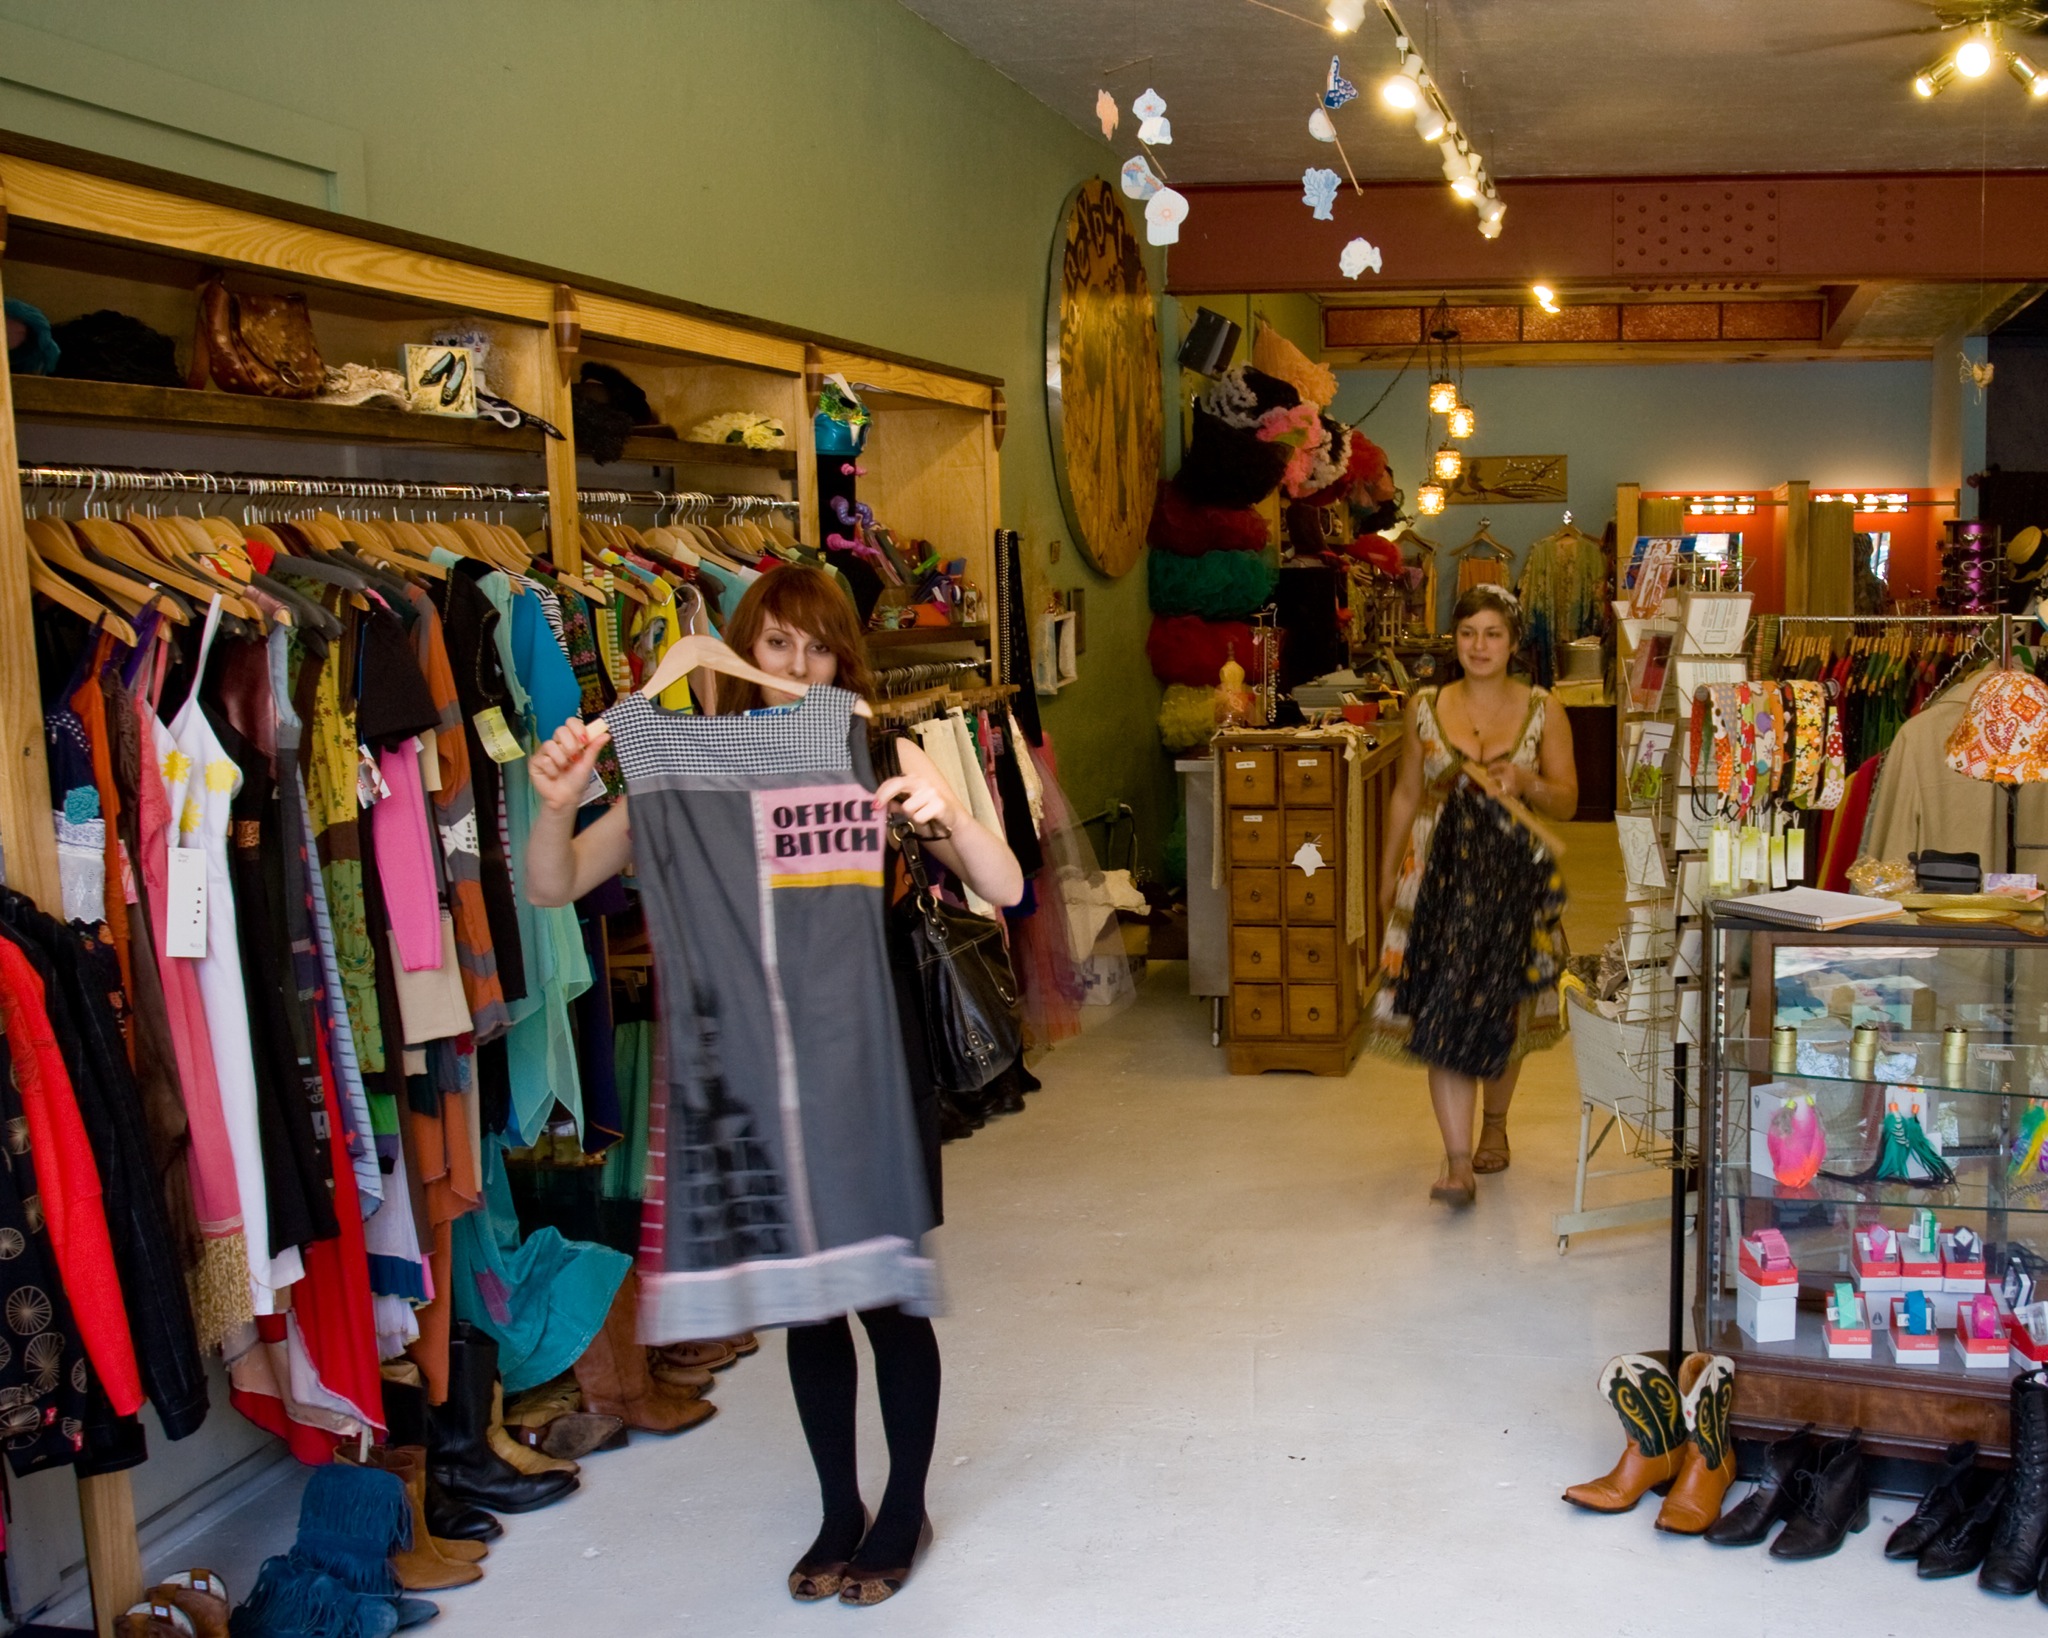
833	164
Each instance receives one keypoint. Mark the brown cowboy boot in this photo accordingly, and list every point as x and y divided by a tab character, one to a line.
1708	1466
615	1380
1652	1411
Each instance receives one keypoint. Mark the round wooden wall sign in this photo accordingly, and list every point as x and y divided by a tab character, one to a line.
1102	387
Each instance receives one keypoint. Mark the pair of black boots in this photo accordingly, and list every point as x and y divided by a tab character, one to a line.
1995	1523
467	1481
1819	1487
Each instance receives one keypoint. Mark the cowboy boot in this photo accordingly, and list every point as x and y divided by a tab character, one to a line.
1707	1467
527	1458
459	1454
1652	1410
615	1380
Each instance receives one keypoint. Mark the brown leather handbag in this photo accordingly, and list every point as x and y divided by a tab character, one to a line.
261	345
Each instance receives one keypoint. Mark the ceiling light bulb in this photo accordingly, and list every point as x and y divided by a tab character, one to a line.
1464	187
1932	80
1974	55
1443	396
1429	124
2026	73
1546	298
1462	424
1429	499
1448	463
1398	91
1345	15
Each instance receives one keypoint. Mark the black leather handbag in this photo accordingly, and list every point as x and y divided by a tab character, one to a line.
1947	872
973	1031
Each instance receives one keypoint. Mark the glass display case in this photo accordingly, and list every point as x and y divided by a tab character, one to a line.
1876	1099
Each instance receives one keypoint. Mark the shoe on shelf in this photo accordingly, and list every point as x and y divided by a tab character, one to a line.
1707	1466
1959	1546
866	1586
2012	1561
1830	1501
1945	1500
1652	1410
1750	1520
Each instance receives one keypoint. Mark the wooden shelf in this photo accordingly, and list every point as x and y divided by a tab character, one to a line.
928	636
120	403
682	452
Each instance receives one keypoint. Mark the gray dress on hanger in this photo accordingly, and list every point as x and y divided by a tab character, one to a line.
785	1182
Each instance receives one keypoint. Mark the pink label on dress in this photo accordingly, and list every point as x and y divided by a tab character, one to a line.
821	836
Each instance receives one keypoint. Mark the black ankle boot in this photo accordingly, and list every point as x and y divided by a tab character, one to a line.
2012	1563
1831	1500
1750	1520
1959	1548
1945	1500
459	1456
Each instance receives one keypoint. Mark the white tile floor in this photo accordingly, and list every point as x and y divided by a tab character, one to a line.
1215	1365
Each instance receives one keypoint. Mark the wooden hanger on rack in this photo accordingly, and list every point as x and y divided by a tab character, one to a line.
52	541
47	582
695	653
1483	543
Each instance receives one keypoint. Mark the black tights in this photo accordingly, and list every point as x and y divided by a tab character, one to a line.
825	1376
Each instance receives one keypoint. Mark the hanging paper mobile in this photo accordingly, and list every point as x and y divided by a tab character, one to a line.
1319	191
1106	112
1154	129
1139	182
1357	257
1164	213
1337	90
1320	127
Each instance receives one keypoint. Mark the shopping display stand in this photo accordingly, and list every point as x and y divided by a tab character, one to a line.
142	240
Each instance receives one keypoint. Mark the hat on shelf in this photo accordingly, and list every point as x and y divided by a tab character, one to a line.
110	346
750	429
355	385
35	351
610	407
2026	555
2003	734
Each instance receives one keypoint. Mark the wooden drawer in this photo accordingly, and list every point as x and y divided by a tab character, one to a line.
1248	779
1312	898
1254	836
1256	1009
1312	954
1308	776
1255	953
1311	1009
1318	825
1255	895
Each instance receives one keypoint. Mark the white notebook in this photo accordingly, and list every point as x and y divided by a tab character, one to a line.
1812	908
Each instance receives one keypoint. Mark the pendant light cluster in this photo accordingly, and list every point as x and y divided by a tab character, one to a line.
1412	90
1983	46
1446	398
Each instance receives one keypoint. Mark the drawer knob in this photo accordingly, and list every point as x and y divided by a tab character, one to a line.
1314	1013
1258	956
1315	955
1258	1012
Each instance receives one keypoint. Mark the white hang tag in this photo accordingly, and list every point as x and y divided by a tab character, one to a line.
1308	859
1795	854
1752	867
1720	860
1778	877
185	911
370	784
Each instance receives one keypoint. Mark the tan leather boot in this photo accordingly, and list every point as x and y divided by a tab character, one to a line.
524	1457
409	1462
430	1563
615	1380
1652	1410
1708	1383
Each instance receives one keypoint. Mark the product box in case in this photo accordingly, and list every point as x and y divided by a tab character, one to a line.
1766	1260
1908	1346
1920	1257
1846	1328
1766	1313
1981	1337
2026	1329
1963	1271
1874	1260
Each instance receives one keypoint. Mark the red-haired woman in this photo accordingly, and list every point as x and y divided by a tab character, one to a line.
796	623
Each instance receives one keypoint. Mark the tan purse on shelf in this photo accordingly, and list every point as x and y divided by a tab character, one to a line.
259	345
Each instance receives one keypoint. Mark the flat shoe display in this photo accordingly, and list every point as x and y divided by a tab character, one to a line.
1707	1467
1750	1520
1652	1410
1832	1501
2012	1560
864	1587
1945	1500
1960	1546
1492	1154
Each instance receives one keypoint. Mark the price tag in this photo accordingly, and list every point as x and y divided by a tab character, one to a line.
185	910
1720	860
500	743
1795	854
370	784
1752	867
1778	876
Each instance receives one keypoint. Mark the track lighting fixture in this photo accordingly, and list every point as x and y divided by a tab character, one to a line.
1402	90
1346	15
2027	74
1410	90
1932	80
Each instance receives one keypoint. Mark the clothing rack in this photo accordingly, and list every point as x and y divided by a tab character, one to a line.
121	479
900	681
919	707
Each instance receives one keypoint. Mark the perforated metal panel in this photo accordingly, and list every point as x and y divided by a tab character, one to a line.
1696	227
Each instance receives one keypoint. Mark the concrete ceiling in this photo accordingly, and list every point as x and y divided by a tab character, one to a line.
1546	87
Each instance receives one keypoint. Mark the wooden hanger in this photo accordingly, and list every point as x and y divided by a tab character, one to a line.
46	582
52	541
1483	540
695	653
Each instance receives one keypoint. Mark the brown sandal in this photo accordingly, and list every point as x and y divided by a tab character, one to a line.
1491	1156
1450	1191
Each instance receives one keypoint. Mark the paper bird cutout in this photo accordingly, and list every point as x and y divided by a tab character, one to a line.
1138	180
1156	132
1106	112
1337	90
1321	128
1150	106
1357	257
1164	213
1319	191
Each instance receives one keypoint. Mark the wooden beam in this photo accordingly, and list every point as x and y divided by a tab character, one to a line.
1796	554
880	374
639	325
1847	303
